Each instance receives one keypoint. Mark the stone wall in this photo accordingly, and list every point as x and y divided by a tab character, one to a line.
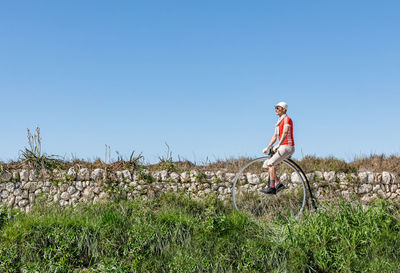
21	189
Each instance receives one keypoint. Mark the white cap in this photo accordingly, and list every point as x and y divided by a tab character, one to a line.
282	104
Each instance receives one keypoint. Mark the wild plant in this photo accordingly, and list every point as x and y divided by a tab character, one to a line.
34	156
107	156
167	161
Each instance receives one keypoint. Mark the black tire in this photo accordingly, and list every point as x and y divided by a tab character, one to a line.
289	202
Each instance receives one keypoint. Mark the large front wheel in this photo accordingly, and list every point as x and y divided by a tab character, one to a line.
251	178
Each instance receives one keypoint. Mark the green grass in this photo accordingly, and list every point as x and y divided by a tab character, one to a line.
177	234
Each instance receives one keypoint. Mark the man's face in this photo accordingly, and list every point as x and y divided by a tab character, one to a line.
280	110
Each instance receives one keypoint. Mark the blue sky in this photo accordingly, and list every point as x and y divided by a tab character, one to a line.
202	76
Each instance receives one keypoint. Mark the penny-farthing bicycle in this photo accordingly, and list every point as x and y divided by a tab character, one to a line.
290	202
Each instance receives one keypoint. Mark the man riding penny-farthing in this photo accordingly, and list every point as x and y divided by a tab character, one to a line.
284	149
259	200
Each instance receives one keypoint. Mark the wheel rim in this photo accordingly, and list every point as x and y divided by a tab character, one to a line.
261	206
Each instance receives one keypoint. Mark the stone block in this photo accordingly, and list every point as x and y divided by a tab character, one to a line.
230	177
386	178
319	175
71	173
32	198
15	176
371	177
119	176
33	175
127	175
65	196
5	176
24	176
10	187
98	174
220	175
330	176
156	175
295	178
23	203
4	194
10	201
310	176
363	176
83	174
253	179
88	193
164	175
44	175
175	177
365	188
71	190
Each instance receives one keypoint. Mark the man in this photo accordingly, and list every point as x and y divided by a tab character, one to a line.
284	149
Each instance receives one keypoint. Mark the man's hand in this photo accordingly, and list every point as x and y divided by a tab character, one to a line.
266	150
275	149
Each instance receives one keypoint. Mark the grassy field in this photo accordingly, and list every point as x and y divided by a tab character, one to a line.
177	234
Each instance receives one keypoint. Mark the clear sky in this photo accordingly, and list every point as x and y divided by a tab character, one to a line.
202	76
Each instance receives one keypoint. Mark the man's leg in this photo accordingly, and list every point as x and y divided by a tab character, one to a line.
274	185
272	176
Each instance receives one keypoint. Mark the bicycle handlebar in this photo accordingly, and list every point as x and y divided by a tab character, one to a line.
270	151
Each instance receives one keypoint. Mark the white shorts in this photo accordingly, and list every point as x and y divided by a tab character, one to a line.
284	152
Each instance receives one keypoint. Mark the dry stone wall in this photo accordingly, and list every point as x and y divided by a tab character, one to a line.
21	189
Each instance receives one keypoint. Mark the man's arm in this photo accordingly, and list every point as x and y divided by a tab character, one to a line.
273	139
284	134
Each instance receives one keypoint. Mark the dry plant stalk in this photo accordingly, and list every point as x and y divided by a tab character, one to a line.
34	141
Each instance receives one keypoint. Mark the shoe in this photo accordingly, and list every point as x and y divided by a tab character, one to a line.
268	190
279	187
